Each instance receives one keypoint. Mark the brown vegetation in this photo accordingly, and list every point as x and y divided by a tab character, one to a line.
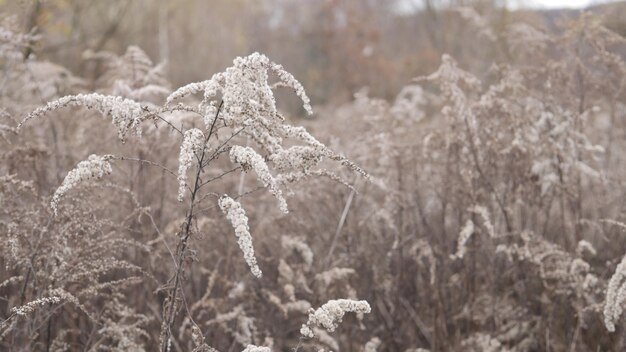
489	217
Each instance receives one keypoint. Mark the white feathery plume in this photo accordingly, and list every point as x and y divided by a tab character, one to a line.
253	348
464	236
484	214
330	314
585	246
296	158
31	306
615	295
210	87
248	158
95	167
126	114
193	141
302	134
189	89
238	219
290	81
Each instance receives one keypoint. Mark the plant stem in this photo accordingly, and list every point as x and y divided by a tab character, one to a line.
170	313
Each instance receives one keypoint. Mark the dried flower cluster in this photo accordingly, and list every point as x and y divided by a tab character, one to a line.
329	315
236	103
464	236
249	159
615	296
253	348
193	142
95	167
237	217
31	306
126	114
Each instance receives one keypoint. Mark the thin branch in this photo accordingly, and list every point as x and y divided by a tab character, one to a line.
219	176
218	149
169	315
151	163
235	198
342	221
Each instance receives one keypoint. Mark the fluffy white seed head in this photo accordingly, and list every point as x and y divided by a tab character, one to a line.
329	315
246	92
126	114
300	133
484	214
615	295
189	89
238	219
30	307
253	348
210	88
464	236
248	104
193	141
95	167
290	81
585	247
249	159
296	158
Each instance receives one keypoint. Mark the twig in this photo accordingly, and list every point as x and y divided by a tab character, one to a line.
342	221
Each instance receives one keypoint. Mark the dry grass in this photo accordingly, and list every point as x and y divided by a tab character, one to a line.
489	216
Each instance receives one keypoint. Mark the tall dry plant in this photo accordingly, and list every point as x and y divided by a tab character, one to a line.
237	119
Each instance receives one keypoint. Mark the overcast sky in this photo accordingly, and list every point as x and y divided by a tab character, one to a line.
410	6
560	3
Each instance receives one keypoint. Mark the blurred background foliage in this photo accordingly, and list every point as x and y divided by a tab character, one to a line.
335	47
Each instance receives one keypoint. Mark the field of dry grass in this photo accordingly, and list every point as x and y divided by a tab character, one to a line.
450	179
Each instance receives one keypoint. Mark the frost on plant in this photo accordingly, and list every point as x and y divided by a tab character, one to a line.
95	167
330	314
238	219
